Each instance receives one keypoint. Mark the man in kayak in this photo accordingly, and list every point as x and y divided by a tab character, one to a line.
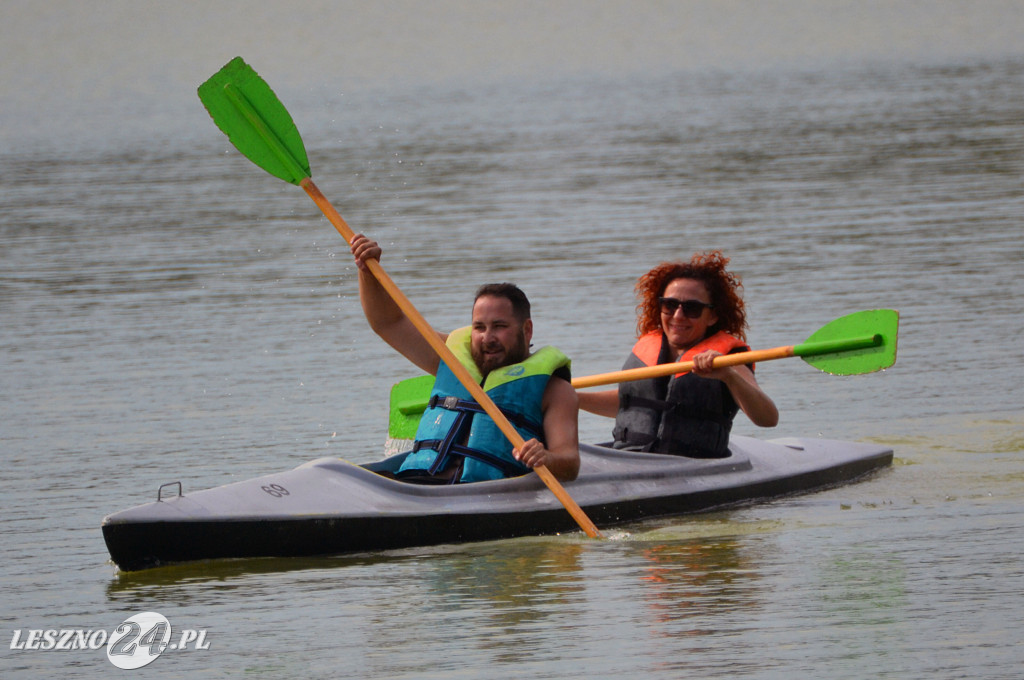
456	440
688	311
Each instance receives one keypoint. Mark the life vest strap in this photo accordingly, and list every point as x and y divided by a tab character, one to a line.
636	438
470	406
452	444
464	451
636	401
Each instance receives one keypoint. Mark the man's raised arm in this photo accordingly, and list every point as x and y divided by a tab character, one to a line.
386	318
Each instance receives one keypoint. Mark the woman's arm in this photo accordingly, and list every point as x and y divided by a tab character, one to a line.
744	388
603	403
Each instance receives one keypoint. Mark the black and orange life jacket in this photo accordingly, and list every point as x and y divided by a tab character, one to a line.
681	414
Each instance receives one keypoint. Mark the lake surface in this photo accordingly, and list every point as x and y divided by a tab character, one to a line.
172	313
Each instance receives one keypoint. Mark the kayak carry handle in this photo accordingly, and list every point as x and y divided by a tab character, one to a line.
160	491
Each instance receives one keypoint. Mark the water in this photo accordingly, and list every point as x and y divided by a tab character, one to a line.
170	312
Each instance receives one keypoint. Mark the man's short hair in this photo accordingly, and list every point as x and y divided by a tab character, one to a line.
512	293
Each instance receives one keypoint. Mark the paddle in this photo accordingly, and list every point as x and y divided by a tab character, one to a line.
245	108
862	342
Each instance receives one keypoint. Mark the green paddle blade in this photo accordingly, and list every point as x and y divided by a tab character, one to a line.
245	109
408	402
862	342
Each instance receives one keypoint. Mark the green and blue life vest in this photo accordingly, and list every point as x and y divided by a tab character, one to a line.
454	426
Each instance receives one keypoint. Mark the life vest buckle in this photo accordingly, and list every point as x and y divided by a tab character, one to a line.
449	403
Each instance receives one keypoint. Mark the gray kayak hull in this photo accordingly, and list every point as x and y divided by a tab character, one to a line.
329	506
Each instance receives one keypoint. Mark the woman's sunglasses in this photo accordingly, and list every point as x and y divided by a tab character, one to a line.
692	309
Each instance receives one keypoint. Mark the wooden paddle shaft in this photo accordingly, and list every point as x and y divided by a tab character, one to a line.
681	367
446	355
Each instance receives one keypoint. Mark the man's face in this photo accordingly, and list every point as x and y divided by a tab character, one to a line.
498	338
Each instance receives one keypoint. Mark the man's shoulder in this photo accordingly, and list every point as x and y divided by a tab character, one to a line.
560	385
551	356
563	373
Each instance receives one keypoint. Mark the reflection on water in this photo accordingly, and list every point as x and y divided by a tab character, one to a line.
509	596
185	576
865	588
687	582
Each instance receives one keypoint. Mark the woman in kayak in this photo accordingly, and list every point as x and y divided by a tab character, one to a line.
688	311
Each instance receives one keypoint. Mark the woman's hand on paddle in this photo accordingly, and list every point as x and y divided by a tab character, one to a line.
743	386
730	375
702	365
364	249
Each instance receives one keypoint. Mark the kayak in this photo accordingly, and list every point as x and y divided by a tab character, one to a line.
329	506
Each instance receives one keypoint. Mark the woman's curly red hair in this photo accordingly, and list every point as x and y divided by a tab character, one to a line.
723	286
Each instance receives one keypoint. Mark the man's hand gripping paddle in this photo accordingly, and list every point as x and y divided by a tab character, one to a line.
245	108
